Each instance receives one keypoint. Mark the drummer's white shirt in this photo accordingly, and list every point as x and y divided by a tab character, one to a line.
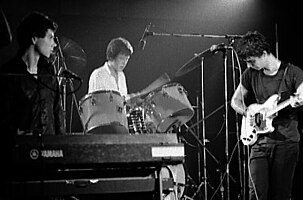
101	79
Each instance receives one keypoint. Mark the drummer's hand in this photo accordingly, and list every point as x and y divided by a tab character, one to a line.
134	98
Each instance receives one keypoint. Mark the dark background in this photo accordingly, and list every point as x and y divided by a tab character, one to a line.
92	24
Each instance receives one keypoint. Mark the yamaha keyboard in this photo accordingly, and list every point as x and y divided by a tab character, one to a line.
92	150
93	164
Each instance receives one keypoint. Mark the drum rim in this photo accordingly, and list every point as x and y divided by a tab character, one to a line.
151	94
88	95
174	176
169	84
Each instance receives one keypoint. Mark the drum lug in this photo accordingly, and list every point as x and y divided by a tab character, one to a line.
180	90
164	93
153	104
119	109
93	101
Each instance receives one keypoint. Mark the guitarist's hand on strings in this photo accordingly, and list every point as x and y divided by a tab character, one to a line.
296	100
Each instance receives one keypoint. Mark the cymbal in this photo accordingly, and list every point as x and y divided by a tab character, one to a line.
193	63
74	55
5	31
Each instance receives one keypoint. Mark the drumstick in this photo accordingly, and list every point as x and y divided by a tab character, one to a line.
137	97
163	79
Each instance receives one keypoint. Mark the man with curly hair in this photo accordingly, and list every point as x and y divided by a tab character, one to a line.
275	150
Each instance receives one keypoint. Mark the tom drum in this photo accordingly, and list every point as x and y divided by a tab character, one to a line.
168	107
100	108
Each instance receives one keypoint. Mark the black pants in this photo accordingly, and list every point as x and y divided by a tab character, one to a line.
272	168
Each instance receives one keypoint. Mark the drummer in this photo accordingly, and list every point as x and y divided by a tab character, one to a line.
110	75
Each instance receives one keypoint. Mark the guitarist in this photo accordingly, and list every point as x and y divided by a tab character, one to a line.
273	157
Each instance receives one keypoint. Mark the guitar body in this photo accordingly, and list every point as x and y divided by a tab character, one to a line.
259	120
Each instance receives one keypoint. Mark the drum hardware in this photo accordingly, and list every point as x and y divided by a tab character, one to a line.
119	109
180	91
221	181
198	60
164	93
152	103
93	102
136	121
80	110
111	98
193	63
162	109
224	49
174	126
202	183
183	112
187	197
71	54
177	123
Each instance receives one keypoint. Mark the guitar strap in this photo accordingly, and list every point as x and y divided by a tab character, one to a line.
280	86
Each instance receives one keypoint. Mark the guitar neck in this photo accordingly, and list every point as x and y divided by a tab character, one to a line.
278	107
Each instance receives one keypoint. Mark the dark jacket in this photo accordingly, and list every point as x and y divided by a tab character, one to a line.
30	105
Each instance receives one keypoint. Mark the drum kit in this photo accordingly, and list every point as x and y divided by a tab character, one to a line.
162	107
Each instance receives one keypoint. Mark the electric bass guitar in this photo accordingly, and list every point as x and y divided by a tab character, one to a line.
260	119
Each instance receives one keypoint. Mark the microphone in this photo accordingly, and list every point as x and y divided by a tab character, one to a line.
219	47
69	74
142	42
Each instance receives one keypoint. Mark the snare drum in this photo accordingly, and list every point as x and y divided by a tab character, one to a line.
168	107
102	108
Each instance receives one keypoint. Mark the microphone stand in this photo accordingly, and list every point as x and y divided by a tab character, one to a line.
198	132
231	41
226	125
212	156
203	182
242	167
203	129
63	81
